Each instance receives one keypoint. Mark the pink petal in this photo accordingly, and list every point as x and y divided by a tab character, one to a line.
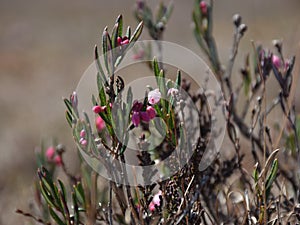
100	124
136	118
154	96
50	153
151	112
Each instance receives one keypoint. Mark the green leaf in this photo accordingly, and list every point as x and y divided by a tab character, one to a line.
128	32
255	174
271	177
69	118
76	211
169	11
101	91
119	21
79	192
107	53
155	68
47	196
71	111
56	217
160	12
137	33
99	67
62	187
117	31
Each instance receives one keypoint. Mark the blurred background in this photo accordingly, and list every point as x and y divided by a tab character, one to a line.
45	47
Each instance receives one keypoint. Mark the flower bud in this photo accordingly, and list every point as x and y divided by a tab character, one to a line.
276	61
74	99
203	7
58	160
277	44
151	112
83	142
50	152
242	28
82	133
100	124
97	109
237	19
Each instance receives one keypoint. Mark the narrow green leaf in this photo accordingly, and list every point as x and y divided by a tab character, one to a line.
47	196
62	187
76	211
155	68
119	21
79	193
135	36
178	79
106	48
271	177
99	67
160	12
56	217
101	91
69	118
128	32
169	11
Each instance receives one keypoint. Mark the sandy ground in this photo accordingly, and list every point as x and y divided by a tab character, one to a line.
45	46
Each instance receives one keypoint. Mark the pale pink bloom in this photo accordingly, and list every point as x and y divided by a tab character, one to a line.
100	124
154	96
173	91
50	152
83	142
155	201
82	133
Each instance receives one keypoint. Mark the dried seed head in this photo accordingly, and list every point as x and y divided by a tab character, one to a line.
237	19
242	28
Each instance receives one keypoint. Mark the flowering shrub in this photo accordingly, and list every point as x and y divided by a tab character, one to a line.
169	185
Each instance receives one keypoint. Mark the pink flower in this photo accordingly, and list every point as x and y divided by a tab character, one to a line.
82	133
276	61
83	142
122	41
144	117
151	112
136	118
203	7
58	160
50	152
97	109
155	201
100	124
173	91
154	96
